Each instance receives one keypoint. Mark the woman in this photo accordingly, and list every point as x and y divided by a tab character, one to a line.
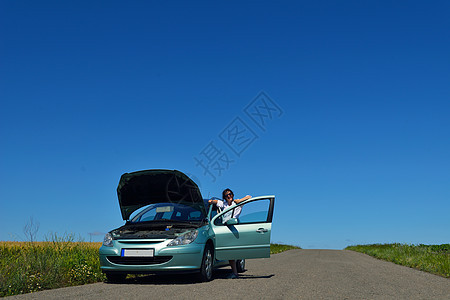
229	200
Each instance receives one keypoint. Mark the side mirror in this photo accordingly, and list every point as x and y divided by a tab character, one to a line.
232	221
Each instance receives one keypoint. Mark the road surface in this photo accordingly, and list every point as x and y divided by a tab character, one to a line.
295	274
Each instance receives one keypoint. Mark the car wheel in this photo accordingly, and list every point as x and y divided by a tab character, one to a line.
115	277
240	265
206	269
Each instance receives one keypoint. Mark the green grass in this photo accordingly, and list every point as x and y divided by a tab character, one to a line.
277	248
429	258
27	267
34	266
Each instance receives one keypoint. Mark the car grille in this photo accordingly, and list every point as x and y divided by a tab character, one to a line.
139	260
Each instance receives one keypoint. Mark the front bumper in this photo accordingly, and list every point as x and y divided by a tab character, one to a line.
176	258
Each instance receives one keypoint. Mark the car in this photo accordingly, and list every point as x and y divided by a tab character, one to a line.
169	227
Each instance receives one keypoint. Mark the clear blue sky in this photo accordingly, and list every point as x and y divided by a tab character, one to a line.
357	153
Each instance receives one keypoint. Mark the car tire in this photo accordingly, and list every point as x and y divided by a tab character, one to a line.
115	277
240	265
206	269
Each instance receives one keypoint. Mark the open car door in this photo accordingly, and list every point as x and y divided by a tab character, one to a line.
247	236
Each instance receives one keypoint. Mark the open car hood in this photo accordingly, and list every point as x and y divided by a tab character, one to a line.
138	189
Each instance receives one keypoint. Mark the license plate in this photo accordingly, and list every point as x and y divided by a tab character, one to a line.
138	252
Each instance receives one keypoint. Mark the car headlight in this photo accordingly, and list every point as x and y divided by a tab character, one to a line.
184	239
108	240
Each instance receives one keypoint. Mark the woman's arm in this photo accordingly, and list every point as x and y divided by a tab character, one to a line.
212	201
242	199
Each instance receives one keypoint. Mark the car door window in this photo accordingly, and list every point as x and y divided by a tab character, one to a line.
252	212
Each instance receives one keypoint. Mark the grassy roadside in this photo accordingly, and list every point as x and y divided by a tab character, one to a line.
429	258
278	248
27	267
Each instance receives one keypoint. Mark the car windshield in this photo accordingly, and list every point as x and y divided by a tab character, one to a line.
168	211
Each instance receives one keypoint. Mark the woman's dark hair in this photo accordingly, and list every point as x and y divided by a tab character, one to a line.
225	191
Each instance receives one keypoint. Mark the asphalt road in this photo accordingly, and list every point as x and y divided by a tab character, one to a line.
295	274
